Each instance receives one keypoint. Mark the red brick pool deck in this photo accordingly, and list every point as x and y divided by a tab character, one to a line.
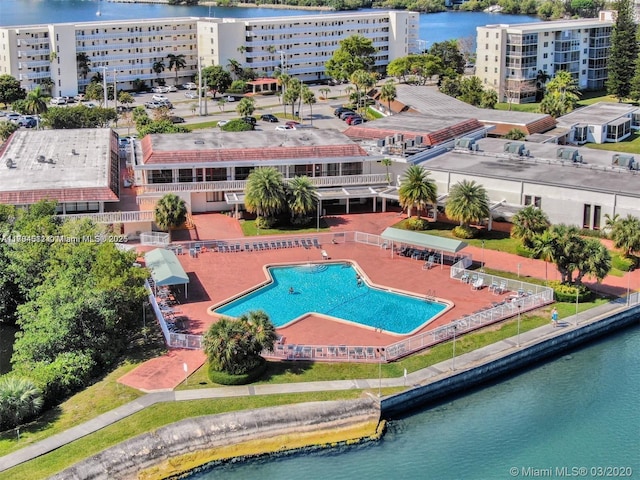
215	277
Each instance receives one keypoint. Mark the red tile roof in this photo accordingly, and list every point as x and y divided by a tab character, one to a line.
27	197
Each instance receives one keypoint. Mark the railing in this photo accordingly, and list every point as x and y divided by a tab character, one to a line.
113	217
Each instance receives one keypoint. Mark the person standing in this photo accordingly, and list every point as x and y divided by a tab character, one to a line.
554	317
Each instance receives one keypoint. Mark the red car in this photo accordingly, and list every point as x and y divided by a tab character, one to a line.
350	119
293	124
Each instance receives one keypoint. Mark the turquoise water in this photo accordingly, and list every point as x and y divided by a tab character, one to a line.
332	289
580	410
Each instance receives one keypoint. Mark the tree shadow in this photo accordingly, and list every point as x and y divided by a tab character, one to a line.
275	369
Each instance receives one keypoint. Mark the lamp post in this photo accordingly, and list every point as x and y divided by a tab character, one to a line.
482	256
453	359
104	86
628	288
577	294
199	86
318	219
519	307
380	351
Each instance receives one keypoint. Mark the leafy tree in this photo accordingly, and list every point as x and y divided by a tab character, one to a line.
84	64
623	52
450	86
176	62
125	98
238	86
10	90
246	107
265	192
94	91
449	53
595	260
399	68
625	234
468	203
528	223
19	401
363	81
217	78
568	248
489	99
309	98
634	94
471	90
354	53
78	117
301	198
515	134
6	129
417	189
234	346
388	94
170	212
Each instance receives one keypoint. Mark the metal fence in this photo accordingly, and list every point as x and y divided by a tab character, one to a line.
158	239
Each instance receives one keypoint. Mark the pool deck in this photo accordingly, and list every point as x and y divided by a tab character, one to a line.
215	277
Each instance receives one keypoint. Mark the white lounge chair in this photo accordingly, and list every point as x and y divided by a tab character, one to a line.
325	255
478	284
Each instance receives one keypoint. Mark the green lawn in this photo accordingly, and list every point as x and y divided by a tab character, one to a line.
629	145
249	229
587	98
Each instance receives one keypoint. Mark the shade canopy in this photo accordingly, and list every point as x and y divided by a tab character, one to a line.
423	240
165	268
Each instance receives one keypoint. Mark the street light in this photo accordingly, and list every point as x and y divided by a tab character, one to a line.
200	86
577	293
453	360
482	256
380	351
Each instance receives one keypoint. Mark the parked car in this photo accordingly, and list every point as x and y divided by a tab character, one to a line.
293	124
159	98
222	123
269	118
174	119
79	97
346	115
13	117
285	127
357	121
160	89
229	98
250	120
190	86
340	110
191	94
162	104
58	101
350	119
27	122
172	88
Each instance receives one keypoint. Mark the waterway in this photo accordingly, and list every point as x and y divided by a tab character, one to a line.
434	27
577	411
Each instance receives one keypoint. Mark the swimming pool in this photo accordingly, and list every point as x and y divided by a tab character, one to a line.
333	289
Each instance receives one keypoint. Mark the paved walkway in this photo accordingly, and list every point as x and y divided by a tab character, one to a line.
420	377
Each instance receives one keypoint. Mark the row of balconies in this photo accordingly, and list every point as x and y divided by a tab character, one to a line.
140	35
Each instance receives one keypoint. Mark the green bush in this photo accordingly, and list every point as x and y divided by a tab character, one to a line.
586	232
264	222
416	224
524	251
237	125
623	264
464	231
567	293
224	378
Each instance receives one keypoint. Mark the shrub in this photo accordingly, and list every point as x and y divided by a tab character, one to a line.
264	222
524	251
464	231
20	400
237	125
224	378
586	232
416	224
567	293
624	264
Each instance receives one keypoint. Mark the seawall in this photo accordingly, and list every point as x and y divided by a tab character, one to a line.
480	371
145	451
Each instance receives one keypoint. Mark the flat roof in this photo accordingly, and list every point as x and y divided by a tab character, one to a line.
551	26
542	166
220	148
597	114
423	240
65	165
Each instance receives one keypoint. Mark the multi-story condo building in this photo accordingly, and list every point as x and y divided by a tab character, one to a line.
511	59
129	50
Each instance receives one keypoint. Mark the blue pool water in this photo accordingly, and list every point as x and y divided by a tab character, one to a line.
332	289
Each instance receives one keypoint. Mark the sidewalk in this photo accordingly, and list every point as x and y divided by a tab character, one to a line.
420	377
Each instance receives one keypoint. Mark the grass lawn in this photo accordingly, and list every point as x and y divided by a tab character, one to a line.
629	145
249	229
587	98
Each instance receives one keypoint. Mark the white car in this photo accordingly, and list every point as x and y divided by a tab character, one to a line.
160	89
285	127
58	101
159	98
190	86
172	88
190	94
229	98
222	123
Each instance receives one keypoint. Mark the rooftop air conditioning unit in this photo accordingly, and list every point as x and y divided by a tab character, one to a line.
465	143
570	154
516	148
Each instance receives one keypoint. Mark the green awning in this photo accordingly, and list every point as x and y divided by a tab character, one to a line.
423	240
165	267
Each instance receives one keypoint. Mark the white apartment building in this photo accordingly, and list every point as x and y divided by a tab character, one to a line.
127	50
510	57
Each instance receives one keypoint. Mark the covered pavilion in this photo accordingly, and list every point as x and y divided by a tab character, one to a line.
165	268
432	243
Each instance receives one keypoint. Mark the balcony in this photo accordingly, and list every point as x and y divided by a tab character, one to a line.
114	217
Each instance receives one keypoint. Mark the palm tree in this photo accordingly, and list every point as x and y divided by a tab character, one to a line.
301	197
626	235
386	162
158	67
263	332
20	399
176	62
362	81
235	68
595	260
309	98
83	61
468	203
417	189
388	93
170	212
527	223
265	192
544	248
542	77
35	103
610	222
324	91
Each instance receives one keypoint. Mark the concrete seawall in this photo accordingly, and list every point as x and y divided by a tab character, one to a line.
479	372
201	433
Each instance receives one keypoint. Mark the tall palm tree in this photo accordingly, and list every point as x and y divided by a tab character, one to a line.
35	103
83	61
386	162
235	68
362	80
626	235
301	197
388	93
324	91
158	67
265	192
20	399
176	62
527	223
417	189
468	203
544	248
610	222
309	98
263	332
170	212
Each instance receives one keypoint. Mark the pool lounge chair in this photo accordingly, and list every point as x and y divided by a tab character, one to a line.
478	284
325	255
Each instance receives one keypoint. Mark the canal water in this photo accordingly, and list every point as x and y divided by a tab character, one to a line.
579	411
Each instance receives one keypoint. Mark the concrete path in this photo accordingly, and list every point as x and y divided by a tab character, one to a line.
420	377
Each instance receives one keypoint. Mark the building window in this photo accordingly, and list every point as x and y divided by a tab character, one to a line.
597	210
185	175
532	200
586	216
215	197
